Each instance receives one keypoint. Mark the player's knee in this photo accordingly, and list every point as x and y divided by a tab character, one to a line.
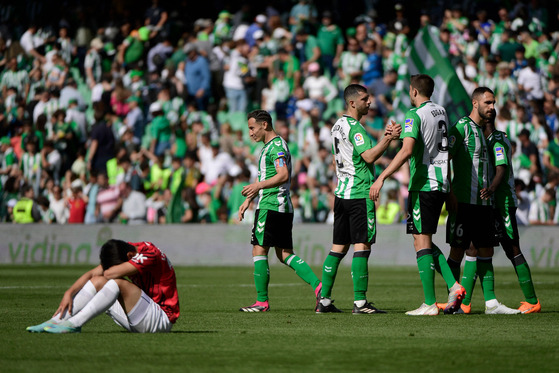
511	250
457	254
126	287
283	254
486	252
98	282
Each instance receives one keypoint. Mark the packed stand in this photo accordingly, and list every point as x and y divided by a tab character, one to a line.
144	120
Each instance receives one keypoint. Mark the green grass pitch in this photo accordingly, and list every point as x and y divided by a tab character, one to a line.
213	336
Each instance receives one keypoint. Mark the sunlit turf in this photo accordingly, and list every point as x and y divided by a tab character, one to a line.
212	335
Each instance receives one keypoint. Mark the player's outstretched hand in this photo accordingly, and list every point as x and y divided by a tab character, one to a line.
250	191
374	192
486	193
243	208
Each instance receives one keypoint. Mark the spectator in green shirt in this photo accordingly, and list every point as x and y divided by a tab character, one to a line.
330	40
160	130
309	51
508	46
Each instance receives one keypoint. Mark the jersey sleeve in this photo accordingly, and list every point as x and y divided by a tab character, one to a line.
455	138
498	154
412	123
146	257
278	155
359	139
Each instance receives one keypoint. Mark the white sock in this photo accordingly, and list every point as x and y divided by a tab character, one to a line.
80	300
491	303
326	301
360	303
101	302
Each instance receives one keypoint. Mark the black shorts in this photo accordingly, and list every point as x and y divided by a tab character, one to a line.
471	224
424	211
354	221
505	225
272	228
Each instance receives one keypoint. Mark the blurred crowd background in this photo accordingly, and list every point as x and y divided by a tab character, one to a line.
135	111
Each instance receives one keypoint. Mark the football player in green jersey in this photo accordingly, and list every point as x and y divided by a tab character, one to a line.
273	221
354	212
470	226
505	203
425	144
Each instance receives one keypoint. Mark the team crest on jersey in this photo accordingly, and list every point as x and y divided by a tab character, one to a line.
408	126
499	154
359	140
451	141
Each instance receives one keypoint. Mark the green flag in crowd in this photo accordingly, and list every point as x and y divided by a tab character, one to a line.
175	211
427	55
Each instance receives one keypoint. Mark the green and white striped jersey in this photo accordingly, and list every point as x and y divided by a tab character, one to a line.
427	124
355	176
350	63
487	81
501	155
278	198
514	127
17	79
470	162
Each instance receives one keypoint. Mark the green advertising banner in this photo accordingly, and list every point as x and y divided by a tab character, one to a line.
217	244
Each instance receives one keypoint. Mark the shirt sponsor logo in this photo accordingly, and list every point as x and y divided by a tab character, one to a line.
359	140
436	162
499	154
408	126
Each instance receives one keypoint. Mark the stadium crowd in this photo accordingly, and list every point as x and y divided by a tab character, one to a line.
143	119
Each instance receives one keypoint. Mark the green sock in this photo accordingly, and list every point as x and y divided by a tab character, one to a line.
360	274
329	271
426	266
525	278
454	268
469	278
302	270
486	277
441	266
261	277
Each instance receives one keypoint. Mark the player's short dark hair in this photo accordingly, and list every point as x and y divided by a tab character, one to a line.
480	91
113	252
353	90
260	116
424	84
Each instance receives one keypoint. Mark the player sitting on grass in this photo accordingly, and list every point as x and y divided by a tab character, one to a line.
148	303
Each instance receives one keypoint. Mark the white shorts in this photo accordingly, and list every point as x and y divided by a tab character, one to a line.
146	316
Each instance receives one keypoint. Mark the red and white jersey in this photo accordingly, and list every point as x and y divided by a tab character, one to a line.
156	277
